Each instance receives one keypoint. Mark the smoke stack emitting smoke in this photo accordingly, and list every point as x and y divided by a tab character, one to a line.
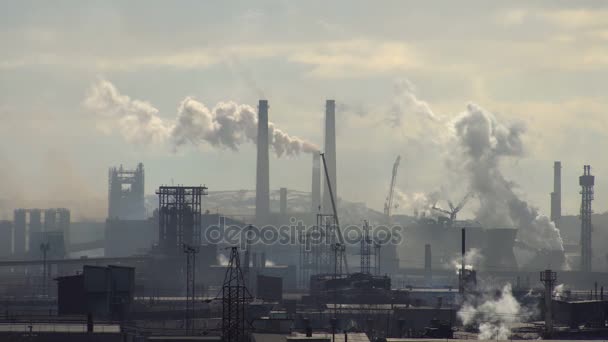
227	125
484	141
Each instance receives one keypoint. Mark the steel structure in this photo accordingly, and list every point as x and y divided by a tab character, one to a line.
556	195
316	248
586	182
366	250
179	217
126	193
234	299
190	252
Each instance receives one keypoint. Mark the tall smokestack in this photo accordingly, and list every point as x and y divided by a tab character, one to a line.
330	154
262	185
315	193
463	242
556	195
283	202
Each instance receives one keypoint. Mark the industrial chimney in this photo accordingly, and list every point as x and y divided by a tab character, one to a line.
262	185
283	202
315	193
556	195
330	155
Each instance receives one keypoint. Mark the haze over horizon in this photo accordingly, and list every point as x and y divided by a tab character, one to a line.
402	73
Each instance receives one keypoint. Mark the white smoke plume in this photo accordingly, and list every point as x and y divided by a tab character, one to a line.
227	125
472	260
406	102
483	143
417	202
495	315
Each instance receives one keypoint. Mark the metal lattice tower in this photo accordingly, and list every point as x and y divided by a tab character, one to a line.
234	299
179	217
366	250
46	275
190	252
586	182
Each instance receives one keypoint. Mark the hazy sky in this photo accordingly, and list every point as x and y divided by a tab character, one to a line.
544	64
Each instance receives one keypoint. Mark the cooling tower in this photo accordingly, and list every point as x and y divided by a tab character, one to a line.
262	184
330	155
498	250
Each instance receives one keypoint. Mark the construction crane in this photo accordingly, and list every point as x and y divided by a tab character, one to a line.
454	210
388	204
335	212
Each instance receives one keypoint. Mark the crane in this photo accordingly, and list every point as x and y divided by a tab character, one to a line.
335	212
454	209
388	204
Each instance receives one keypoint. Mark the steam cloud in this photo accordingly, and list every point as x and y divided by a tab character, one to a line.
484	141
227	125
472	260
406	102
494	315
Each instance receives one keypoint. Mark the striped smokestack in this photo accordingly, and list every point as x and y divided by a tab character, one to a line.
330	154
262	185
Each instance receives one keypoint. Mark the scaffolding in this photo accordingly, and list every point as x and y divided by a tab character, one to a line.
316	253
179	217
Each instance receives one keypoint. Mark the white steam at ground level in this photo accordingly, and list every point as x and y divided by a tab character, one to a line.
495	314
227	125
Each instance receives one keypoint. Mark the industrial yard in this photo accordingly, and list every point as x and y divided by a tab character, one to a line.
283	171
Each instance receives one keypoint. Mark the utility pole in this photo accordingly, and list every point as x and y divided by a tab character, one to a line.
190	252
548	277
44	248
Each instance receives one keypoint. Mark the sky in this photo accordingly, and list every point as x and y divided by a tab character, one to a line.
388	65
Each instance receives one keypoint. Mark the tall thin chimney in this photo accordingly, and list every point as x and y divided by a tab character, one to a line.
330	154
283	201
556	195
315	193
262	185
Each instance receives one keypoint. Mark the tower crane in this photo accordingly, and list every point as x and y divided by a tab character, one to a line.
388	204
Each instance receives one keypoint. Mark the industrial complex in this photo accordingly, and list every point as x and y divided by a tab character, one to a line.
314	270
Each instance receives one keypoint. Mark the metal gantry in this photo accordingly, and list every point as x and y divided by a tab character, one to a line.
179	217
586	182
190	252
235	296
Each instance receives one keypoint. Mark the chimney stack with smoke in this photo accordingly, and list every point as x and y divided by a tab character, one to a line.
556	195
315	192
330	154
262	185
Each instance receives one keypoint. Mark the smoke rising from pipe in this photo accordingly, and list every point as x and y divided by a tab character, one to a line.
483	143
472	260
228	125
